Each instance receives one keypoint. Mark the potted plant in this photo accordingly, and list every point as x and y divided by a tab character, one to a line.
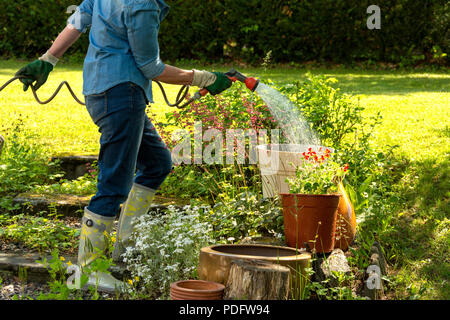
310	209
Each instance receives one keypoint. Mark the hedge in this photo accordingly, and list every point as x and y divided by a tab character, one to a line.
292	30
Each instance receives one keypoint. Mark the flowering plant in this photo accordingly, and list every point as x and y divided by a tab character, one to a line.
318	174
166	249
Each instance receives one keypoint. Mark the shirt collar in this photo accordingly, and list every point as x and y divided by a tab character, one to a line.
164	9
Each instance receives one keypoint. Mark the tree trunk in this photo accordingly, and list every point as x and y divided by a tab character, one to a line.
257	280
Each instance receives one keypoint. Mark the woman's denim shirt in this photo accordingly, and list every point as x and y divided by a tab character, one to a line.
123	42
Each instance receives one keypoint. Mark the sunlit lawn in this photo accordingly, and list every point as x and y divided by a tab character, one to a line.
414	105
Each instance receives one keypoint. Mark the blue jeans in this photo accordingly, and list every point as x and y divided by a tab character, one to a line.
131	149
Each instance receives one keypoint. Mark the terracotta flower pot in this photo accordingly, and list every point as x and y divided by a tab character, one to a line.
310	218
196	290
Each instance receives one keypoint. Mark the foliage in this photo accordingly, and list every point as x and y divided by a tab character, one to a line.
24	22
58	289
24	164
333	115
234	109
166	250
38	232
245	215
318	173
341	124
57	267
82	186
249	30
338	286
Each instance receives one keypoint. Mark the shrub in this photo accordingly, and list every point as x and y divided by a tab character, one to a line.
245	215
166	250
23	164
247	30
338	119
234	109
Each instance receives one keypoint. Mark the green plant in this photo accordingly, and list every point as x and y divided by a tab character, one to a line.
338	286
58	289
42	233
244	215
24	164
58	269
82	186
236	108
166	250
318	173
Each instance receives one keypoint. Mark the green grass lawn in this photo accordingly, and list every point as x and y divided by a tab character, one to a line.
416	117
415	106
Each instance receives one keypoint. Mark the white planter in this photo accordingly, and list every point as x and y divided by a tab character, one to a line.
278	162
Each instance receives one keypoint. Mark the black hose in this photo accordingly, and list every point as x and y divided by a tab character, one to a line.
180	96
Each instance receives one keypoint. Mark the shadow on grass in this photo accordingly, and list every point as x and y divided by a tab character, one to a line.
422	232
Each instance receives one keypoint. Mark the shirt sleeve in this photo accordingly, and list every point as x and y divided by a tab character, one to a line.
142	30
81	19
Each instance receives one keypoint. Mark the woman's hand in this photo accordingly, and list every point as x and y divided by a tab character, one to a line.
37	71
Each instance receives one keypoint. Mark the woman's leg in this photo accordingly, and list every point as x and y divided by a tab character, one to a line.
154	161
120	115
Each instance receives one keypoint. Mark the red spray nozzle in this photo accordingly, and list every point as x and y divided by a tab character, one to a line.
250	83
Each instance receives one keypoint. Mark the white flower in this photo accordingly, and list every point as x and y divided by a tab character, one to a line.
164	244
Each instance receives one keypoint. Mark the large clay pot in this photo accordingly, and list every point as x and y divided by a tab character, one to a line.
196	290
345	222
310	219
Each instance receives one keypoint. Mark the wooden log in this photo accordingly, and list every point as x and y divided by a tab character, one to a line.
257	280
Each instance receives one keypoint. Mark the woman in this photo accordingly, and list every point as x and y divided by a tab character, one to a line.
122	59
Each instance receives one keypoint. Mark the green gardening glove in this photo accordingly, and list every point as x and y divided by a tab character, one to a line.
221	84
37	71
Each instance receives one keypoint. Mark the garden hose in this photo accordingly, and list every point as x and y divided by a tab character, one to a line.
182	93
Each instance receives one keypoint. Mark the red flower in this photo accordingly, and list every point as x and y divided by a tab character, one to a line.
346	167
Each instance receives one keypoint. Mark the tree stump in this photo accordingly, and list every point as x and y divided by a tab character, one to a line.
257	280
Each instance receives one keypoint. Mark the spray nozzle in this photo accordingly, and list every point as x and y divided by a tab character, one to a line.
250	82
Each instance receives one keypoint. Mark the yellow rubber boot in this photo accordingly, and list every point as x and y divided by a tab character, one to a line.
94	236
138	203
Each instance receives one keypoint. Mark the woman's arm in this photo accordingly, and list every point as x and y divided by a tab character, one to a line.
64	41
174	75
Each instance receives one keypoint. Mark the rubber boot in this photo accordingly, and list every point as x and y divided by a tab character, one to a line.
138	203
95	231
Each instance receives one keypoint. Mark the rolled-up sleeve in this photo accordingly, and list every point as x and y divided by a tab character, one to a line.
142	30
81	19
